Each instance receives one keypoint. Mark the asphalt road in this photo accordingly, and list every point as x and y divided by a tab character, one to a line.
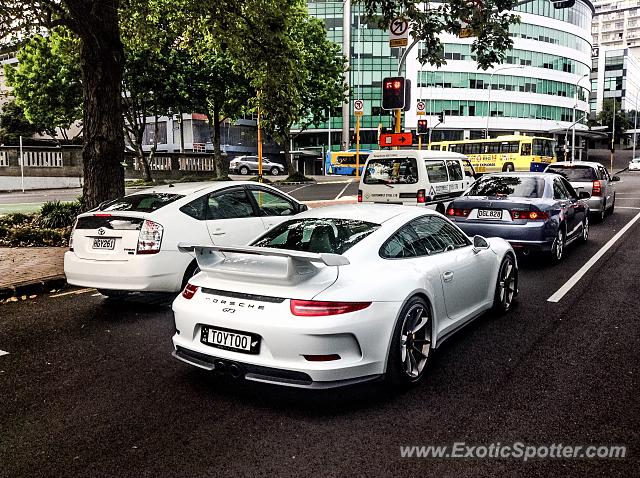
89	388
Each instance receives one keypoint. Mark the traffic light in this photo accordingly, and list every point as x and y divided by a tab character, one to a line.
407	95
563	4
422	126
393	93
483	134
441	117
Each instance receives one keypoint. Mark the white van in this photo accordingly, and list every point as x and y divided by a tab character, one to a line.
413	177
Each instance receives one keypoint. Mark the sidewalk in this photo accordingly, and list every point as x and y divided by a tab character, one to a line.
25	270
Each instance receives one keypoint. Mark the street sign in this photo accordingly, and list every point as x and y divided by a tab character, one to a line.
358	107
396	139
398	32
420	108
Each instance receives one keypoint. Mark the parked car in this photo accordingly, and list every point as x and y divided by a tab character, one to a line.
302	307
535	212
634	164
131	243
592	178
249	164
412	177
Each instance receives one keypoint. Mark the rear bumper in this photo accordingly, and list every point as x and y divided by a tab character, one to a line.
595	204
360	340
530	236
162	272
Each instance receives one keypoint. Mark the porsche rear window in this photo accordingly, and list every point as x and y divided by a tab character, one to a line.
317	235
146	202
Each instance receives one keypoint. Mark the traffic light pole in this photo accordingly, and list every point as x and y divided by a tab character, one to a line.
358	146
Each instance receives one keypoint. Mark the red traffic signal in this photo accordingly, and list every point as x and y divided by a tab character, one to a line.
393	93
423	127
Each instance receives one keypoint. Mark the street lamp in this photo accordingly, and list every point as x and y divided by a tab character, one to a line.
573	131
635	126
489	97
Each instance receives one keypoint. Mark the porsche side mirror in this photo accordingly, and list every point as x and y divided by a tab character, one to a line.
479	244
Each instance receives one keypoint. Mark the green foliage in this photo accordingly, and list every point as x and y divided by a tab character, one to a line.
33	236
55	214
14	124
605	118
47	80
16	219
297	177
489	22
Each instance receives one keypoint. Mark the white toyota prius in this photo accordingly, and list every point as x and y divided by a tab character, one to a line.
131	244
339	295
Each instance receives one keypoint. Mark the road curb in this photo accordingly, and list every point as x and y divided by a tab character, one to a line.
33	287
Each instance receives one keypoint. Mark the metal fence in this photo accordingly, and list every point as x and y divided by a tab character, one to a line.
43	159
197	164
158	163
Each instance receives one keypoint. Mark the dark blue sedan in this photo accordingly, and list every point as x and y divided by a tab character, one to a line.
535	212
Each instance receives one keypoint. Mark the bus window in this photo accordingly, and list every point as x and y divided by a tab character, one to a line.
476	148
493	148
435	147
526	149
538	147
340	159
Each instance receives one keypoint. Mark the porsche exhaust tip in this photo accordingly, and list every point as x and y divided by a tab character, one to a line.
234	370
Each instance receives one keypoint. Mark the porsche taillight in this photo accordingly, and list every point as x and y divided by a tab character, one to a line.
319	308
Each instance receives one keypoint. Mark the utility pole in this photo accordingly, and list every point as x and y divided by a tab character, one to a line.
346	51
613	134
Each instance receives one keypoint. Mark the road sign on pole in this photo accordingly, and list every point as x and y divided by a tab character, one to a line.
358	107
396	139
398	32
420	108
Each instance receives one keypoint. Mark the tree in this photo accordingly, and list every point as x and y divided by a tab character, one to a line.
605	118
305	81
489	21
14	124
47	81
95	23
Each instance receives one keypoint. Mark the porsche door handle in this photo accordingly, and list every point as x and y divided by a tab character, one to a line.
218	233
447	276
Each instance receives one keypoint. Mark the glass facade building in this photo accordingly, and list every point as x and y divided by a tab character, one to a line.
544	76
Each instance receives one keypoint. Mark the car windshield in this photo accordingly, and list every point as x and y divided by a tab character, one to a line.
516	186
317	235
391	171
140	202
574	173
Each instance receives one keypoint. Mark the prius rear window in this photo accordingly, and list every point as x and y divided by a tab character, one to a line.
140	202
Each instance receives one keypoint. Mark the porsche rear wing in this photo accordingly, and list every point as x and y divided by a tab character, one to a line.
251	262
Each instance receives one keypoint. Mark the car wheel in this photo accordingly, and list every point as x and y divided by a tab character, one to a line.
585	229
411	344
275	171
243	170
506	285
557	248
114	294
508	167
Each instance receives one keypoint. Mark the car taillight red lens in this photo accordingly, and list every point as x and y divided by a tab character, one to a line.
421	196
189	291
529	215
150	237
318	308
73	230
359	195
596	189
458	212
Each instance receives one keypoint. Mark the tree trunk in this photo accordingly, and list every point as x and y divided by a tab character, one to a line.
287	153
101	59
221	170
181	132
154	147
146	170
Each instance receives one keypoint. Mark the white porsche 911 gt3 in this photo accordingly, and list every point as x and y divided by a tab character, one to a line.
339	295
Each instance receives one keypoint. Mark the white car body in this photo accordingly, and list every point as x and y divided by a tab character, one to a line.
250	290
634	164
433	177
123	267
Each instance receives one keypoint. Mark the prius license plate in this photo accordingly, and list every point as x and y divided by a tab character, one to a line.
489	214
101	243
230	340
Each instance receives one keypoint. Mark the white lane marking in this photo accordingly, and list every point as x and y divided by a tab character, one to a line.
562	291
343	190
2	352
297	189
81	291
96	295
626	207
627	198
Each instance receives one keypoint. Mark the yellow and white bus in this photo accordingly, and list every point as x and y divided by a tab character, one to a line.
504	153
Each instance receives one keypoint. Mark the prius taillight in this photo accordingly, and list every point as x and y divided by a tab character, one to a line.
596	189
318	308
150	237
